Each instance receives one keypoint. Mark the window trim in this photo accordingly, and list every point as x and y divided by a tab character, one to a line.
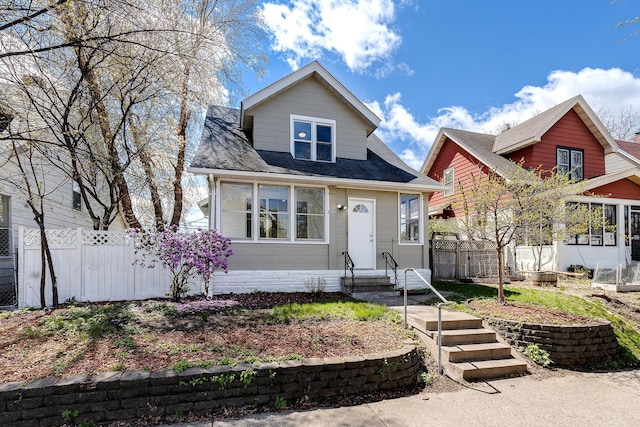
420	240
255	213
571	166
587	239
449	191
315	121
76	196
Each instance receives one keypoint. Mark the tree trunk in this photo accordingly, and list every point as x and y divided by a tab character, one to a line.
182	147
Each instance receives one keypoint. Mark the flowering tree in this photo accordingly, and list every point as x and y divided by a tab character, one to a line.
185	254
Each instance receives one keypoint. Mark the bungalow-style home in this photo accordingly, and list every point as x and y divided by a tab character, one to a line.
306	191
571	138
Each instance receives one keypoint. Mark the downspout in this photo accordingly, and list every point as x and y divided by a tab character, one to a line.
212	202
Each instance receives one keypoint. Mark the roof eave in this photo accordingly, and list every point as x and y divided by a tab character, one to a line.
301	74
317	180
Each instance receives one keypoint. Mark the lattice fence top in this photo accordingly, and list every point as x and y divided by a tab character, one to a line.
57	238
113	238
463	245
6	242
68	238
470	245
445	245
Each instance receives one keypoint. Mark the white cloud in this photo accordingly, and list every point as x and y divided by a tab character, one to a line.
359	31
611	90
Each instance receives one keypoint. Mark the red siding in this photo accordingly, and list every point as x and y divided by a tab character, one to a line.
570	131
623	189
451	154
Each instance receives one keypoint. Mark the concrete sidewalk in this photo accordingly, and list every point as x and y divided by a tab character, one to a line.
567	399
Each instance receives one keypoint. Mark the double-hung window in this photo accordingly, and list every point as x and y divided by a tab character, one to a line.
570	161
449	176
76	196
313	139
409	218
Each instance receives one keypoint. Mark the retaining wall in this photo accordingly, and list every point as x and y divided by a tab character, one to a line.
568	345
120	396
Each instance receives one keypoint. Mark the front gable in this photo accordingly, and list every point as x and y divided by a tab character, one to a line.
569	132
311	98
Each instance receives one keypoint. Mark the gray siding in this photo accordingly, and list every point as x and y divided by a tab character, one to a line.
278	256
292	256
271	120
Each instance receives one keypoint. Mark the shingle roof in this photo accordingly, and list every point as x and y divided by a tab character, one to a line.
224	146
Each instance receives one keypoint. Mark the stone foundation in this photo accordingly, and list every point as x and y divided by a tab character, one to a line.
568	345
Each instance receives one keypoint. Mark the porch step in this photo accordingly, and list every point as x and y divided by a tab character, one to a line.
471	352
366	284
470	322
485	369
466	336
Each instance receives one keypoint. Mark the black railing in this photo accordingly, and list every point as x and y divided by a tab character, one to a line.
348	264
389	261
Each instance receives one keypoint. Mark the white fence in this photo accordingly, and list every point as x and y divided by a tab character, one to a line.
89	266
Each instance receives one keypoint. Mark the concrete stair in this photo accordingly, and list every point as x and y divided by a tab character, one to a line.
469	350
368	287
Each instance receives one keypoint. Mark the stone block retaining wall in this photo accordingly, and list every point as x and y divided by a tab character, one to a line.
568	345
119	396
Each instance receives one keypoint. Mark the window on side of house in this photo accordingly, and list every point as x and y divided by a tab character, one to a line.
4	211
309	213
76	197
410	218
313	139
5	233
604	233
274	212
236	210
448	180
570	161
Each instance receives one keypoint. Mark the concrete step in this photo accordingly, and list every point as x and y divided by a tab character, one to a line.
373	296
466	336
447	324
484	369
471	352
366	284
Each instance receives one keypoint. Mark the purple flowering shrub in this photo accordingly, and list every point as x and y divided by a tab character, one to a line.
185	254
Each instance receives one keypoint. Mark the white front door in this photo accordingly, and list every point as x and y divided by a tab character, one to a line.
362	239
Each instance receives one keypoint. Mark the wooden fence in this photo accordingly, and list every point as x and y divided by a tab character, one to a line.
90	266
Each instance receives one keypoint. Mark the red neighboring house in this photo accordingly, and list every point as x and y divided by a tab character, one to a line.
570	137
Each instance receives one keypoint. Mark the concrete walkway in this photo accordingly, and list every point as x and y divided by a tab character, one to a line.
569	399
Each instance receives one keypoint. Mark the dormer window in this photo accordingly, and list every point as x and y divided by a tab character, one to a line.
313	139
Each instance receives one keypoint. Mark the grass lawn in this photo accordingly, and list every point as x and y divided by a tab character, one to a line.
628	336
227	330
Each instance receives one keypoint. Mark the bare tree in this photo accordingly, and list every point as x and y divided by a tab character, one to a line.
623	124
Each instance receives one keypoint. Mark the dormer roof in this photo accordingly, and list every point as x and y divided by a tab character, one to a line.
313	69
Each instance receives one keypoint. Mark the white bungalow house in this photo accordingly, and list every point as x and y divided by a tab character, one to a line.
301	184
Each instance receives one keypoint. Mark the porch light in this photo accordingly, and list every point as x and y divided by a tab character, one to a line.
341	207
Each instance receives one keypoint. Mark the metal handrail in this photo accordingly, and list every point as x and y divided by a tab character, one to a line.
444	302
390	262
348	263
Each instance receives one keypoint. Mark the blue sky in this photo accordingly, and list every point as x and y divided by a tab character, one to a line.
469	64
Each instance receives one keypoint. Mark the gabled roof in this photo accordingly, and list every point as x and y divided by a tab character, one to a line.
632	174
313	69
479	145
630	151
531	131
226	152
